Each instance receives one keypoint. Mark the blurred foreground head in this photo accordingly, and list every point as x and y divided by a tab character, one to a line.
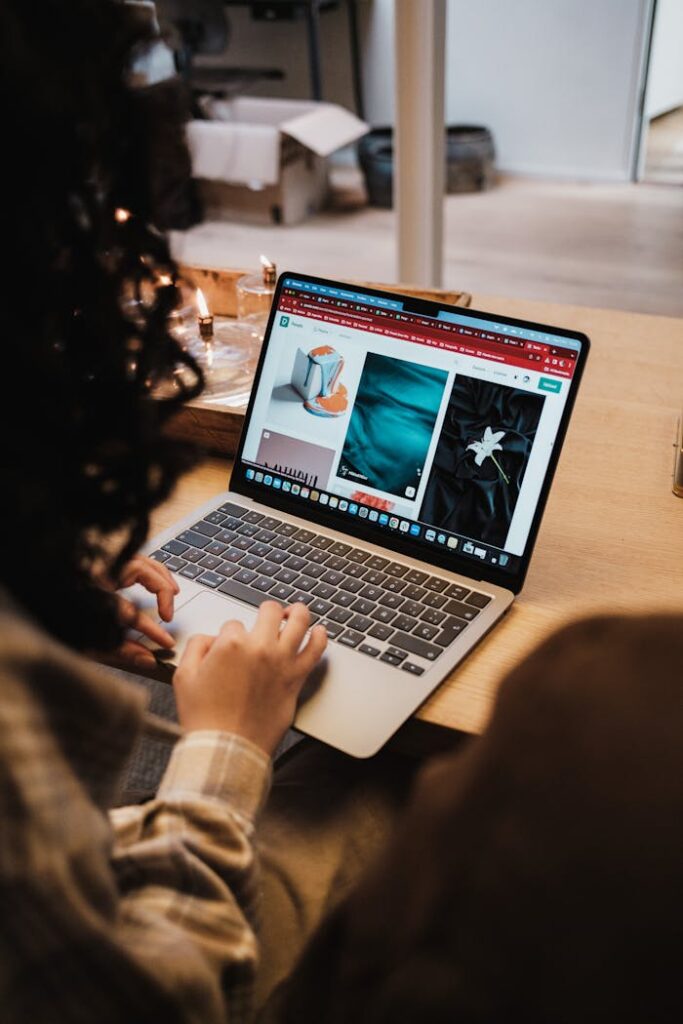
536	878
82	448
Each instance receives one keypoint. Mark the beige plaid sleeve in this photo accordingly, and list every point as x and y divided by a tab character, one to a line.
185	867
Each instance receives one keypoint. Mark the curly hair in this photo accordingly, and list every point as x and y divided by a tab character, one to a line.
85	458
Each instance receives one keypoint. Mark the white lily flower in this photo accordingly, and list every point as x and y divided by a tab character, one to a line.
485	448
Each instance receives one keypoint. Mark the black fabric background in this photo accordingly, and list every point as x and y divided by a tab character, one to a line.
474	500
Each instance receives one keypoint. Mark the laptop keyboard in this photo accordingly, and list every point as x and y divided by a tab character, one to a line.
379	607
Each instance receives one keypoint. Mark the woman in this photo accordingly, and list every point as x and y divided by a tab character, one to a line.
146	915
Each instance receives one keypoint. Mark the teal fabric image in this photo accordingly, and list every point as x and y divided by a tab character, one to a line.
392	424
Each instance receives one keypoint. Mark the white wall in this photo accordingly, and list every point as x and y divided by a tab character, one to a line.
558	81
665	77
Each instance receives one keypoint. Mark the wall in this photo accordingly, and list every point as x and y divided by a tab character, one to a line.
665	78
558	81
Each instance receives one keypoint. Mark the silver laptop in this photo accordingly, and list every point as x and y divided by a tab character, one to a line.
392	472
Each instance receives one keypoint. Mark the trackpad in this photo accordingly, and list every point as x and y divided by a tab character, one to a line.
204	613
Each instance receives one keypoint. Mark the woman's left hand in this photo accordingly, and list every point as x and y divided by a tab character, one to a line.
157	579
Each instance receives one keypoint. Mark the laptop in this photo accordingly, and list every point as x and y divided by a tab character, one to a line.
392	472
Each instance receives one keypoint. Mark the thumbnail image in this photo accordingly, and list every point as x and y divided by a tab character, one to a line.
312	388
308	464
391	425
479	464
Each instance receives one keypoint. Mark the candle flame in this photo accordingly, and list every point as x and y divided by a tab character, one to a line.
201	304
165	280
121	215
266	263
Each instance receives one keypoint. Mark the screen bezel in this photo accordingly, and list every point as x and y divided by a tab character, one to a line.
356	528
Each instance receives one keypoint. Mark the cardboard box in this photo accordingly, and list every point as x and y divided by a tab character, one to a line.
264	160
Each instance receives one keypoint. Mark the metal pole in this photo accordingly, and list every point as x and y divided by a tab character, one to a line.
419	139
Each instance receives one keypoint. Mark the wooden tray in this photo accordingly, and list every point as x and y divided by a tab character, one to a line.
215	427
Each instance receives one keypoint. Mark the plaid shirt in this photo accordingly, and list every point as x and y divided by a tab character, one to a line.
144	913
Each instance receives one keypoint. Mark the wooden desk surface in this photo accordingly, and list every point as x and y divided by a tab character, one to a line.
612	534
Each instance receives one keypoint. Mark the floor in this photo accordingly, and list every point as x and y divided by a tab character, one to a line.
614	246
664	149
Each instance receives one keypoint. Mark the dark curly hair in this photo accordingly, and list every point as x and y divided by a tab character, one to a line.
85	458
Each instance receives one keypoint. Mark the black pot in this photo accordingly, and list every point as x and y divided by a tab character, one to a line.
470	156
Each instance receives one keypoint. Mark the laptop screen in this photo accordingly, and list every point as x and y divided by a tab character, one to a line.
436	426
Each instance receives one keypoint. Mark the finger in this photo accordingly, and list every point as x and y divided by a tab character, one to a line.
268	622
312	652
132	653
294	630
197	648
154	630
167	574
231	630
150	575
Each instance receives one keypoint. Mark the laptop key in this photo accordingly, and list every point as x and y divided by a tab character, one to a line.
316	571
381	632
267	536
263	583
190	572
396	569
160	556
410	666
351	638
226	569
340	549
397	652
333	628
270	523
282	591
211	579
433	616
456	591
268	568
462	611
390	659
278	556
338	614
405	622
414	593
300	597
226	536
371	593
416	576
304	583
287	529
343	598
175	564
232	510
283	543
233	555
287	575
412	608
193	554
425	631
353	586
336	562
260	549
368	649
250	562
243	593
324	590
355	569
333	578
361	623
215	548
358	555
295	563
394	585
451	629
414	645
383	614
321	542
433	600
245	575
318	556
375	577
216	518
299	549
210	561
247	529
242	543
304	535
391	600
253	517
197	540
320	607
207	529
363	606
175	547
436	583
478	600
376	562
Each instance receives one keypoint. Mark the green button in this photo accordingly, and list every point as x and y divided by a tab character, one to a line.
548	384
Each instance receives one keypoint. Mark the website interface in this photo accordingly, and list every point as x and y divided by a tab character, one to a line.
438	428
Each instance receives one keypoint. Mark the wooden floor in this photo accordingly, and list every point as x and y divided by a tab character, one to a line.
614	246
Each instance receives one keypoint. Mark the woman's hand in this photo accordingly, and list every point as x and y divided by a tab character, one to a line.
248	682
157	579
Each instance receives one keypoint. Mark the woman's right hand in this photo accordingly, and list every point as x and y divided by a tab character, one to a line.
248	682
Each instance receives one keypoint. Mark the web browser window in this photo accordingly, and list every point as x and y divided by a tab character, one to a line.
437	427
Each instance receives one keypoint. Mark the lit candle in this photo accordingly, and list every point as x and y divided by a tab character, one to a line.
205	320
269	270
121	215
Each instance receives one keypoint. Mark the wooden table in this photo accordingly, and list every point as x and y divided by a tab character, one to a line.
612	535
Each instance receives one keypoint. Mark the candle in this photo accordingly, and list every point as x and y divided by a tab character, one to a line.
205	320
